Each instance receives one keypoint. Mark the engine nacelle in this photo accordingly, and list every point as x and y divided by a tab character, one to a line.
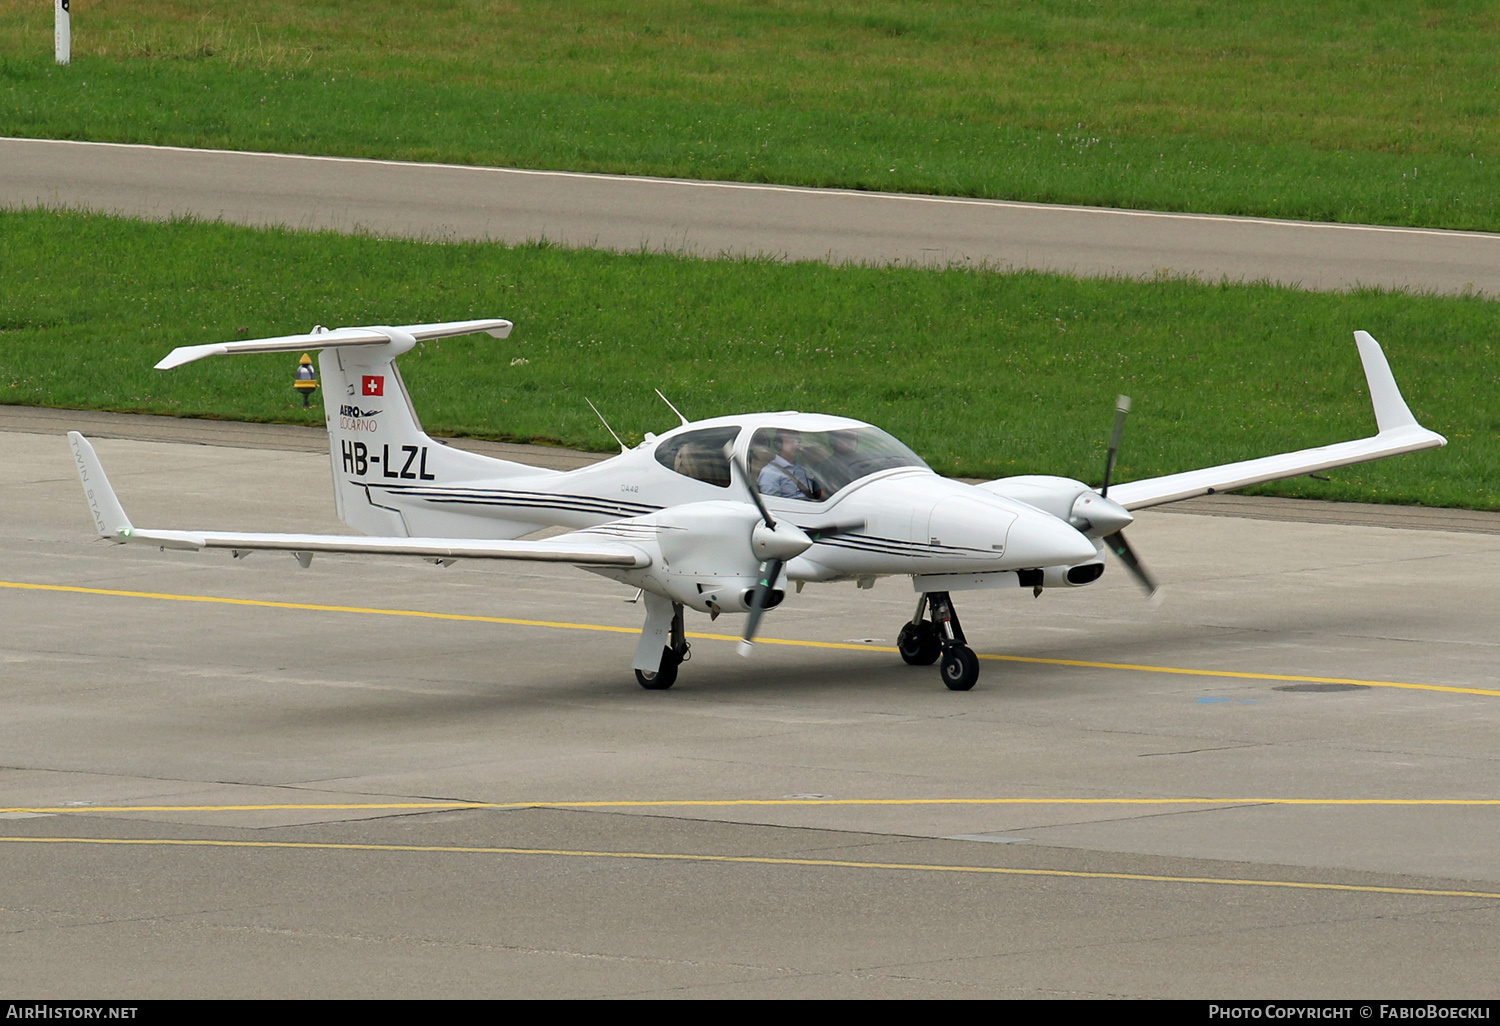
1049	494
706	556
1067	499
1076	503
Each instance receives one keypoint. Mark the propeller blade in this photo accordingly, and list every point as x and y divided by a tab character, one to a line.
758	600
1116	540
1122	409
750	486
1120	547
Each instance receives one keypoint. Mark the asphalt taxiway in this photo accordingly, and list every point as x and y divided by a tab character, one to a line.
440	201
384	778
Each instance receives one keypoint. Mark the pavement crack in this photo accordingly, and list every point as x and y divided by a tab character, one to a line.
1196	751
522	949
1140	816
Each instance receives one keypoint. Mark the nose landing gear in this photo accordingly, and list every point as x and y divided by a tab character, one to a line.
921	641
960	668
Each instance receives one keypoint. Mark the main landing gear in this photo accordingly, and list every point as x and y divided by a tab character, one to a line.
922	640
673	654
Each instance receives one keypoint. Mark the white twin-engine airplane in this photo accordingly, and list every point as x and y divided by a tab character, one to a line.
719	515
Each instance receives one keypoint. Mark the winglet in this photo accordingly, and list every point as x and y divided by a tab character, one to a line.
109	516
1391	411
1398	432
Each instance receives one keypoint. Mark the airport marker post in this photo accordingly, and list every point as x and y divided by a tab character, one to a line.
63	34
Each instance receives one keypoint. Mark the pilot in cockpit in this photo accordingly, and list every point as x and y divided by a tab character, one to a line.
784	477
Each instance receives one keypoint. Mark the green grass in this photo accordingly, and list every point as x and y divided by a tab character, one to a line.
1355	110
984	374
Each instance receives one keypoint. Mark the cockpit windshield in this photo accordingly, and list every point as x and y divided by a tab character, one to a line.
813	465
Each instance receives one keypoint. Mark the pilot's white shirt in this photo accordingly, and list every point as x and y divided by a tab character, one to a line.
780	478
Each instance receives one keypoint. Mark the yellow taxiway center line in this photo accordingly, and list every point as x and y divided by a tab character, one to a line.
667	803
166	597
755	860
563	625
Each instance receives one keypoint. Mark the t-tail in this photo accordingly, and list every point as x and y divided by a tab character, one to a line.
383	462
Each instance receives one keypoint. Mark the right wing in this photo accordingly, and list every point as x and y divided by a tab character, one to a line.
578	548
1397	432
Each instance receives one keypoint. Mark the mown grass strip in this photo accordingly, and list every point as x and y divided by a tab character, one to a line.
1359	110
984	374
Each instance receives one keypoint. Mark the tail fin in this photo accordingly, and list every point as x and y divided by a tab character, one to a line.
382	460
109	517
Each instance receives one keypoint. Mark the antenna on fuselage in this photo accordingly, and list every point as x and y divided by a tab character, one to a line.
605	423
672	408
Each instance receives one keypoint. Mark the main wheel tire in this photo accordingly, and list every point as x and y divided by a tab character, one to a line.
960	669
664	677
918	643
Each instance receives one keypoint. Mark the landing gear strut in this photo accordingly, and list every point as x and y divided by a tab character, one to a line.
673	655
921	641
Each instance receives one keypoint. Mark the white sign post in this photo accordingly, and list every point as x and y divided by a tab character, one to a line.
64	34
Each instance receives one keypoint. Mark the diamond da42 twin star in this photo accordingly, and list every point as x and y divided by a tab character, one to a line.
720	515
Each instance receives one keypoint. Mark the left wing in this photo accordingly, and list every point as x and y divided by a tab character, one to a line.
1397	432
112	523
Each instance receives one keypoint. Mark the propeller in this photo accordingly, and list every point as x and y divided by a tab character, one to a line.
1116	539
1121	548
1122	410
775	544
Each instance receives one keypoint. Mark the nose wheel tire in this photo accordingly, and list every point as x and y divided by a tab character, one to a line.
665	676
918	643
960	668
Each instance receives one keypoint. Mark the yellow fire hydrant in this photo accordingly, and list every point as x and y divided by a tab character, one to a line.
307	380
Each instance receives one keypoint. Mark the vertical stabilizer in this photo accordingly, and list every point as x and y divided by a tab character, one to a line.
382	460
389	478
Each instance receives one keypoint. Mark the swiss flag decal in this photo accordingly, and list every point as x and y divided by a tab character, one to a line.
374	384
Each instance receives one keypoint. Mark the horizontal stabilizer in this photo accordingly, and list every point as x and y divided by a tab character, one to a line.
578	548
325	339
